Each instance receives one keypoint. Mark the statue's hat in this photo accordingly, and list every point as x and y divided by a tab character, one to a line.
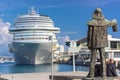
97	14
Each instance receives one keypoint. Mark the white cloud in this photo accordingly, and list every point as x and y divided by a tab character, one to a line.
94	3
5	37
101	2
63	39
65	36
59	5
69	33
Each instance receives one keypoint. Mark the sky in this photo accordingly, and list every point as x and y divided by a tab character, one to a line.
71	16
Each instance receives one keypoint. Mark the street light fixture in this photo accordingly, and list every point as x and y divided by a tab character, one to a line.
51	39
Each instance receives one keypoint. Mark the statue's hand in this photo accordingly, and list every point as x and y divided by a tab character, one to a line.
114	23
115	28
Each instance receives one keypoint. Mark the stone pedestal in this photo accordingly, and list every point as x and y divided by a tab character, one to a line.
3	79
66	77
99	78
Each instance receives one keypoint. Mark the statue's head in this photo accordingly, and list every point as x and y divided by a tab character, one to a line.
97	14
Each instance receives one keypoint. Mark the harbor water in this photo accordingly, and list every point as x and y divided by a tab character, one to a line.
10	68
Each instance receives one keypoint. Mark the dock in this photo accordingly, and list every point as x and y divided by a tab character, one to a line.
40	76
78	75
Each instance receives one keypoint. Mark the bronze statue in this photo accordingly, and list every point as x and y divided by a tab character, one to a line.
97	39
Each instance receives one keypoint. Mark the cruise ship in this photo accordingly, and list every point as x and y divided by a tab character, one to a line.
34	38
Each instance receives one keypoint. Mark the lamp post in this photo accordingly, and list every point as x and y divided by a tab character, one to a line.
51	38
73	47
73	61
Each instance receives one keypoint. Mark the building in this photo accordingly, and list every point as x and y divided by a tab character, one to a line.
112	51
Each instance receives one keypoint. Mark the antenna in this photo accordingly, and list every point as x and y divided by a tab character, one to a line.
32	12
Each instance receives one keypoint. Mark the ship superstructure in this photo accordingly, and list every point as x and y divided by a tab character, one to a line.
32	41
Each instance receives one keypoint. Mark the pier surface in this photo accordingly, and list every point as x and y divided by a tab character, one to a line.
44	76
40	76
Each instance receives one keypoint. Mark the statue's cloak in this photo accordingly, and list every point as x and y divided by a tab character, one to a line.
97	33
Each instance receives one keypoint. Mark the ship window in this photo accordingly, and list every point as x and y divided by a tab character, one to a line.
113	44
30	38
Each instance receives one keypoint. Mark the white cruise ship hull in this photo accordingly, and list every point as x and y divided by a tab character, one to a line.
33	35
31	53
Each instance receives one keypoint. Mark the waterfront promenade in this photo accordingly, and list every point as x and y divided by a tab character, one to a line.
45	76
40	76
